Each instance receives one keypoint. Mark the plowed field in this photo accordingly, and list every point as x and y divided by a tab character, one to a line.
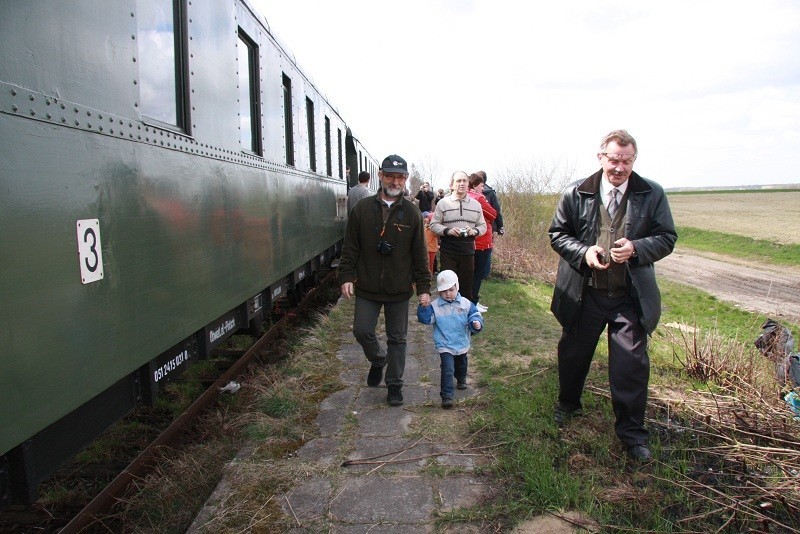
771	290
773	216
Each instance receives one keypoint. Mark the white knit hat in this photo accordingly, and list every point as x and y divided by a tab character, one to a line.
446	280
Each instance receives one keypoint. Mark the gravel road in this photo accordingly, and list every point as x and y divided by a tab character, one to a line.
768	289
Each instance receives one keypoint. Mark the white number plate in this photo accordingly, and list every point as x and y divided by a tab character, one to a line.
90	252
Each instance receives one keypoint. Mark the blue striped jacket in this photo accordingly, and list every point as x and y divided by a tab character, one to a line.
452	323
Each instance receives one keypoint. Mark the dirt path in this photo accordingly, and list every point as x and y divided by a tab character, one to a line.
768	289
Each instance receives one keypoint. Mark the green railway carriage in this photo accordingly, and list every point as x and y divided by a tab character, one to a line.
167	172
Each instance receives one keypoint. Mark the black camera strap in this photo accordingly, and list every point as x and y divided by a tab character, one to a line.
377	209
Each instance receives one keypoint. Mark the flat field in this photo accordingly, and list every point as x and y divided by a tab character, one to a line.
772	216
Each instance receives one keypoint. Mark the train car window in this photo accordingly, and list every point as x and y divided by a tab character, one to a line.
249	104
162	61
360	165
328	164
288	120
341	167
312	134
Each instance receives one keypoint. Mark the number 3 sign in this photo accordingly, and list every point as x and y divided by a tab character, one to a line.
90	251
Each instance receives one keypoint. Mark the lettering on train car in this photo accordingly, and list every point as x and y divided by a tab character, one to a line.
221	330
171	365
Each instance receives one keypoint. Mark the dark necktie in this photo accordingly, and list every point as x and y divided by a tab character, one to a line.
613	205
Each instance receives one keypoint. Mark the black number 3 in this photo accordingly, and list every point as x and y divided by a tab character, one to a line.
92	249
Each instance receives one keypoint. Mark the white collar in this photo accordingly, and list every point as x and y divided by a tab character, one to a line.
606	187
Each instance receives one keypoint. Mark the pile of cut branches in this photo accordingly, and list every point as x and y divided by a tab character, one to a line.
746	458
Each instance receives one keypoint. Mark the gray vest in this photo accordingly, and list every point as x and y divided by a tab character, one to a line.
613	279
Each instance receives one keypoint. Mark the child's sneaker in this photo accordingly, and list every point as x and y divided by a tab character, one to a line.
447	402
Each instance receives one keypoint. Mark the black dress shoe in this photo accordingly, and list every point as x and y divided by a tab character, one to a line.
563	414
640	453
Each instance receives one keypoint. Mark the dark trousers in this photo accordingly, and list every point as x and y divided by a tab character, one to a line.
464	267
483	265
628	362
365	319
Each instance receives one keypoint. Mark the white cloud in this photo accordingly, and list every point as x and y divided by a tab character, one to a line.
711	89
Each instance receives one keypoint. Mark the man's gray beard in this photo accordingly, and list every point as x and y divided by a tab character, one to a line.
388	194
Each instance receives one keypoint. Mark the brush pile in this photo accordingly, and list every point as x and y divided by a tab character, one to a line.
745	460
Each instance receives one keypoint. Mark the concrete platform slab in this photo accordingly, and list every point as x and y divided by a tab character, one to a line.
378	500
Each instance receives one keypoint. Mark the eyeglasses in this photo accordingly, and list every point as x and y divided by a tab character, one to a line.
395	176
619	159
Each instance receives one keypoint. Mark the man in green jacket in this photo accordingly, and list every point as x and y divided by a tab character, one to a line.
384	258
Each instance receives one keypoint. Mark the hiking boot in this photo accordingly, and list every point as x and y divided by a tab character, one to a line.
447	402
375	376
564	414
395	396
461	383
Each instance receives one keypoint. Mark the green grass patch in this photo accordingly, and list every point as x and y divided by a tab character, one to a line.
739	246
684	304
278	405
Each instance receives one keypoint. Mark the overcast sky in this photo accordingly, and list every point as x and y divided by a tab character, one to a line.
709	89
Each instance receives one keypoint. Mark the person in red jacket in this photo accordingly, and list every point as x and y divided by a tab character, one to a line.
483	243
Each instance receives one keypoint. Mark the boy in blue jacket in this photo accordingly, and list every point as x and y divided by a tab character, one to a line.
453	318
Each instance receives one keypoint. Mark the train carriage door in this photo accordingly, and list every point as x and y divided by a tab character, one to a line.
288	120
312	135
340	154
328	159
249	101
351	157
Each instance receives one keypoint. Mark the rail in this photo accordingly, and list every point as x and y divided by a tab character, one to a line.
138	468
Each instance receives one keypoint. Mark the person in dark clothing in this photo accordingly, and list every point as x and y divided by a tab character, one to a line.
384	258
609	230
425	197
491	196
359	191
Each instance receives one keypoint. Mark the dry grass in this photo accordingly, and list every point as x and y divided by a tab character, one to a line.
746	433
760	215
517	257
712	358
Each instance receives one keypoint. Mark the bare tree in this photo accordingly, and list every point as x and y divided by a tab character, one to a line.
528	192
414	180
429	170
535	176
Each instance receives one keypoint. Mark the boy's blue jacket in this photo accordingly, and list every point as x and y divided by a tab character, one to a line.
452	323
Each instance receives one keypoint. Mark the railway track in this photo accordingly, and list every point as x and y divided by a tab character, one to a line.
81	517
